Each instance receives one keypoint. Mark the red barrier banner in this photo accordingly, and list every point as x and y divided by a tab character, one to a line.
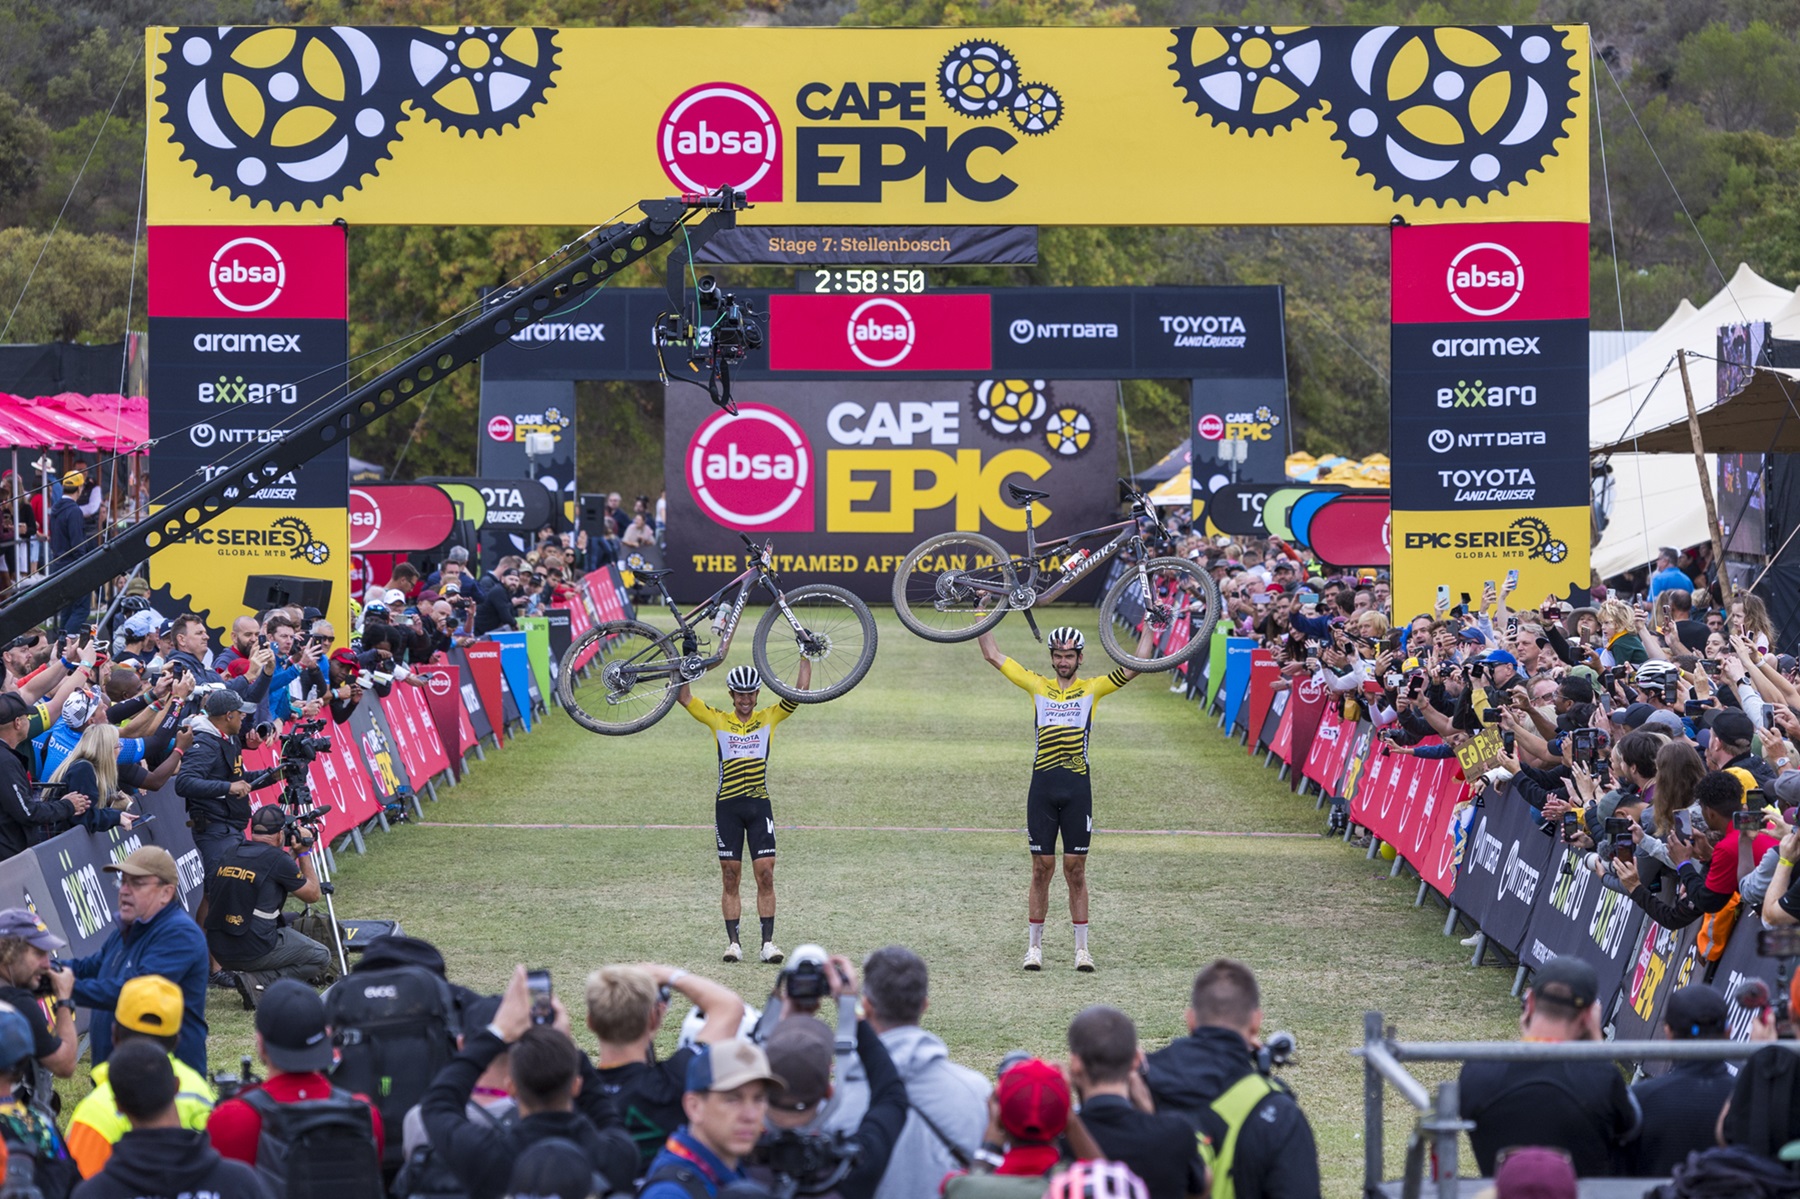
1429	841
443	697
1323	750
406	733
603	588
484	667
1264	670
1282	744
1307	705
259	759
341	781
1372	805
430	741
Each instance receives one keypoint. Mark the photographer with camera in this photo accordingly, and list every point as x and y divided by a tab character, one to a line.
211	779
189	641
502	596
30	973
23	817
547	1075
801	1152
244	897
1217	1079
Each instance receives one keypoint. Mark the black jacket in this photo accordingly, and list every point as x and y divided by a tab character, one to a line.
1276	1157
1159	1147
66	531
1681	1114
495	611
21	816
205	778
162	1163
482	1155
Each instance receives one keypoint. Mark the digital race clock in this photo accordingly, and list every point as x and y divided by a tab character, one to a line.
862	280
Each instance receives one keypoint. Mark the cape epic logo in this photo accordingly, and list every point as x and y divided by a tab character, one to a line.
721	135
753	471
1485	279
247	274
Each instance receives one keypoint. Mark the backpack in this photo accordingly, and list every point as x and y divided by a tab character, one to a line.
316	1149
395	1029
426	1175
1235	1108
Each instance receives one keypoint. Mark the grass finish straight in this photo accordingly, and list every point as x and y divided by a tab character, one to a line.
935	739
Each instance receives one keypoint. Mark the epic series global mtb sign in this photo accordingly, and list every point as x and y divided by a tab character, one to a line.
846	477
1043	126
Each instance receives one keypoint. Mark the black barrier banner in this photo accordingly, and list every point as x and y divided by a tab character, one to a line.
866	471
369	726
1739	964
471	696
894	245
1576	914
1504	863
1065	332
560	636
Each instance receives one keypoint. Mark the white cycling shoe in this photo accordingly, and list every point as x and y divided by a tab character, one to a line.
734	952
1034	958
1084	961
772	955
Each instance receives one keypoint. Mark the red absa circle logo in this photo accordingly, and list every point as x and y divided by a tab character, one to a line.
1485	279
246	274
365	519
438	683
881	332
753	471
1212	426
500	428
721	135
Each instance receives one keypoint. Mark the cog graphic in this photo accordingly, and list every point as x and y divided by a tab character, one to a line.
978	78
1011	408
1251	78
307	546
1454	113
479	78
288	115
1546	546
1068	430
1035	110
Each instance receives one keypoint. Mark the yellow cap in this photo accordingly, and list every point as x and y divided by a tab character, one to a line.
73	480
1745	779
150	1004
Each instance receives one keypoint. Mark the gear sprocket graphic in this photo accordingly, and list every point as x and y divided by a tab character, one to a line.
288	115
978	79
1068	431
1012	408
1251	78
1035	110
478	78
1454	113
307	547
1545	546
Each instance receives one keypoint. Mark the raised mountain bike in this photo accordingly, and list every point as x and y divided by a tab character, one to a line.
956	586
621	676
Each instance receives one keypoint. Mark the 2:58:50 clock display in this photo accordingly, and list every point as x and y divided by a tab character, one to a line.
863	281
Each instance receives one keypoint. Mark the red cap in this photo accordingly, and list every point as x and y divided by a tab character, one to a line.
346	657
1034	1101
237	668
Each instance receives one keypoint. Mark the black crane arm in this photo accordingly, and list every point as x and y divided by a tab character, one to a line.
504	313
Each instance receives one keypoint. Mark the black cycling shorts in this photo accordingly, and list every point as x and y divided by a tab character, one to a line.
736	821
1067	810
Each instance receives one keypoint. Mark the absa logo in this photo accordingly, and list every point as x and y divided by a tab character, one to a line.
1485	279
754	471
881	332
1211	426
365	519
247	274
721	135
500	428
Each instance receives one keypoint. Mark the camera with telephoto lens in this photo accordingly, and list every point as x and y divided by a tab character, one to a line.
229	1086
804	980
802	1162
301	744
1277	1051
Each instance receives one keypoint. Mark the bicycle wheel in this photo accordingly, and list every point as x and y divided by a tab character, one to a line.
631	676
940	584
837	636
1177	587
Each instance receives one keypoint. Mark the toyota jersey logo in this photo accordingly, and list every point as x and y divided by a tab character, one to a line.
1485	279
881	332
247	274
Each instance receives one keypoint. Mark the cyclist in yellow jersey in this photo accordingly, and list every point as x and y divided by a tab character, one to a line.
1062	797
741	811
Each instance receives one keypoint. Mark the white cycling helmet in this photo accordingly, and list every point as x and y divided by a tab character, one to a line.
743	679
1067	637
695	1020
1657	673
1100	1179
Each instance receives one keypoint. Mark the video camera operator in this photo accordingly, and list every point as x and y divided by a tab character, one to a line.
211	779
245	894
799	1154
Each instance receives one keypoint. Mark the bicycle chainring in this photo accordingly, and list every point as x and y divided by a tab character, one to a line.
693	667
1022	597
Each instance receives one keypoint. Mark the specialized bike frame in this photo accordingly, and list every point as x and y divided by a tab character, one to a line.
1030	567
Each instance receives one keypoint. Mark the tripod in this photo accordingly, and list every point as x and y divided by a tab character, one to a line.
296	797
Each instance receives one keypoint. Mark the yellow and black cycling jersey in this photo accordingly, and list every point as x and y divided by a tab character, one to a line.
1063	714
743	746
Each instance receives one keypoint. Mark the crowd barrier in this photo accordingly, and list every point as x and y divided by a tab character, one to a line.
1482	851
393	750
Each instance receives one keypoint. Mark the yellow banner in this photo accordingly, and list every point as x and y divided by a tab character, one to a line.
209	569
1251	125
1462	550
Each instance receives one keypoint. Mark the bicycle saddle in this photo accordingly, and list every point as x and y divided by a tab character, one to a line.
1024	495
648	575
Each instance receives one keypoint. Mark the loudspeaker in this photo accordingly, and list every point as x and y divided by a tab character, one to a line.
593	513
262	592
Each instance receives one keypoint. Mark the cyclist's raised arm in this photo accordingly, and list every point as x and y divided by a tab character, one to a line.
684	696
990	651
803	674
1146	644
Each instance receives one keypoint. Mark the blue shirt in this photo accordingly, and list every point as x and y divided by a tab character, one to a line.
169	944
1669	579
681	1149
61	740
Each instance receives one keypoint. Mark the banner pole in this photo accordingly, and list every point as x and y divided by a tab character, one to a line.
1706	487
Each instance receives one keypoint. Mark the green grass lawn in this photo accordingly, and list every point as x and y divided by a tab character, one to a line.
935	740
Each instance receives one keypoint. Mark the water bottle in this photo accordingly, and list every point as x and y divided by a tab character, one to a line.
1074	561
